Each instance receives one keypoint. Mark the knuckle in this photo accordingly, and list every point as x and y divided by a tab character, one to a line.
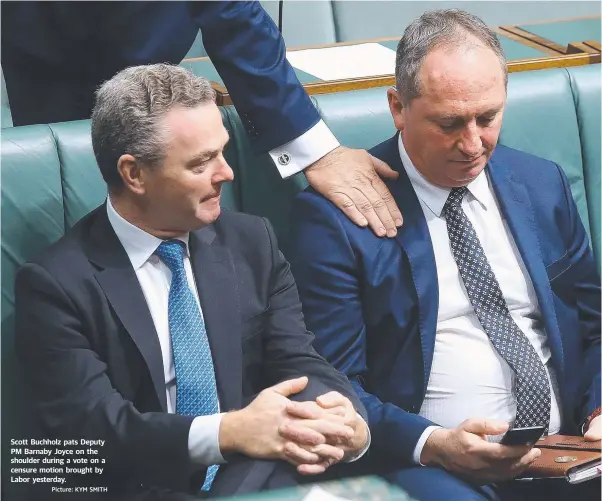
365	206
347	203
378	204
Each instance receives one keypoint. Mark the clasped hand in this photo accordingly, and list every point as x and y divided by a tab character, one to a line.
310	435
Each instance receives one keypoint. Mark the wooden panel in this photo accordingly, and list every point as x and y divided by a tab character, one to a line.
564	61
542	42
579	47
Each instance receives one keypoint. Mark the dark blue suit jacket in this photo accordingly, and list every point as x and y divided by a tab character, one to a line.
88	42
372	302
91	357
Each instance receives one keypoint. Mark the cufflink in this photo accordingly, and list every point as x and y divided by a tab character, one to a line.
284	159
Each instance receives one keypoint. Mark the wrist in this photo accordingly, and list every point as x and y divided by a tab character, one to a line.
229	433
360	440
433	448
327	160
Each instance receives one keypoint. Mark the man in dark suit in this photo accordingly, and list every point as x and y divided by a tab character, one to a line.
484	312
169	332
56	54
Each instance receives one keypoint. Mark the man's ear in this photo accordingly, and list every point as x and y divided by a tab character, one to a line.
131	174
396	108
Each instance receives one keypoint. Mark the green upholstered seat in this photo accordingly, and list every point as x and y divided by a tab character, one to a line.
257	186
196	49
32	219
49	178
540	119
585	84
83	186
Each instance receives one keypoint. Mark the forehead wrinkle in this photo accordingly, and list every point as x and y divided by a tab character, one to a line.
459	78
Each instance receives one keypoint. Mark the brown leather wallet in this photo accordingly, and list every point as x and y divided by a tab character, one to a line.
566	456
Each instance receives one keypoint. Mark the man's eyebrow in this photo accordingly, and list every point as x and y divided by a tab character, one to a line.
201	157
451	116
205	155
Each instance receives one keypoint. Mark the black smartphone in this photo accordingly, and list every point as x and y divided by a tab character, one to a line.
522	436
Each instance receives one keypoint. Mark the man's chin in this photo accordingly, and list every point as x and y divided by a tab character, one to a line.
207	217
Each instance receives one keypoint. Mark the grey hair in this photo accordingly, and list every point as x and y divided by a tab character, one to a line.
434	29
128	111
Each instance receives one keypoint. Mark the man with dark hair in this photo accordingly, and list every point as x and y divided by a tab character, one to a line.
484	312
170	330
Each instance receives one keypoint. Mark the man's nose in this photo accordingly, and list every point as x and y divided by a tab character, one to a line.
470	142
225	173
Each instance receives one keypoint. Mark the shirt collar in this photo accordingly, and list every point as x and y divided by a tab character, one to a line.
433	196
138	244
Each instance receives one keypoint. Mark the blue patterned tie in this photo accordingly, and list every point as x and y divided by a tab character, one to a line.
532	385
195	376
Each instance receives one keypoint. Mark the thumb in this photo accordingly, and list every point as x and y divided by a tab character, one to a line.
290	387
383	169
485	426
331	399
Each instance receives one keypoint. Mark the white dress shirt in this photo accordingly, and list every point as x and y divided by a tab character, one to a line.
308	148
155	278
468	378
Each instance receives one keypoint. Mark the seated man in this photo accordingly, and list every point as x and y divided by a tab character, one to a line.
484	312
170	332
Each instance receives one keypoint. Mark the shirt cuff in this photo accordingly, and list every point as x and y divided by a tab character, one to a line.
203	440
365	448
420	444
308	148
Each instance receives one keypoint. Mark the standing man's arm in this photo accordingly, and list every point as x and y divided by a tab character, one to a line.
249	53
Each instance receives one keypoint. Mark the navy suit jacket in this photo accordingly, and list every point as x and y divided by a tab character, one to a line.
90	353
88	42
372	302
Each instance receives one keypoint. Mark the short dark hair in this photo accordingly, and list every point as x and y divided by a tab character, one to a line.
434	29
128	111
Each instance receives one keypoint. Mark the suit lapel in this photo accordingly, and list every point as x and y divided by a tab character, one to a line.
415	240
518	212
213	268
122	288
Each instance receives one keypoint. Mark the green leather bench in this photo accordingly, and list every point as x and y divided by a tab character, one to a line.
49	180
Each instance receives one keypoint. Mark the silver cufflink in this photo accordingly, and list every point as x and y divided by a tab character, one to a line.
284	159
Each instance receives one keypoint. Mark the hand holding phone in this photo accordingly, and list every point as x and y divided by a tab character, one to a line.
522	436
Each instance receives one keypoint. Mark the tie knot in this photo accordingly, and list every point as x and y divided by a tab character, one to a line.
171	252
454	198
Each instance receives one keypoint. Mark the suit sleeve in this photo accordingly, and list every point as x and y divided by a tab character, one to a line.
248	52
329	277
288	344
587	297
73	396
